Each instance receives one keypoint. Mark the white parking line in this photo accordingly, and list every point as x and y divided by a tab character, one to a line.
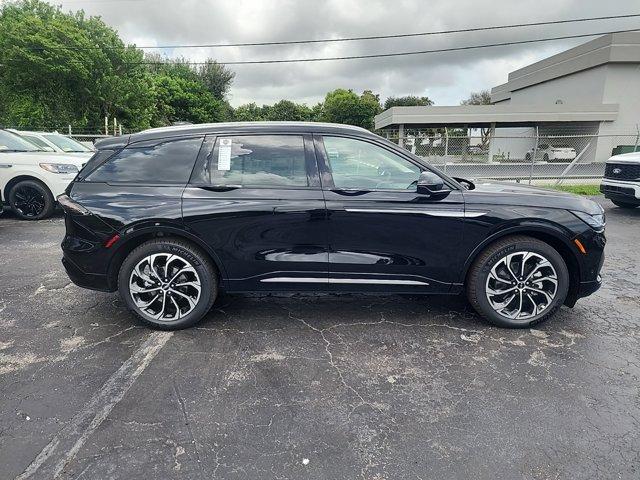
64	446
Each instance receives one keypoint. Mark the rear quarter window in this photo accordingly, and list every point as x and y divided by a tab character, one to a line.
167	162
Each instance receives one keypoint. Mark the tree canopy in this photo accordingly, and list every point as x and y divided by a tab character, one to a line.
63	68
407	101
483	97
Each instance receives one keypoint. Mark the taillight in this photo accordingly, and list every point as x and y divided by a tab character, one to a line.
71	206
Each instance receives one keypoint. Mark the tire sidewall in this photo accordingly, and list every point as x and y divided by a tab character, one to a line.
536	247
208	283
49	202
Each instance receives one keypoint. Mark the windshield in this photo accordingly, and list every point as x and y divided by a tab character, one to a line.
10	142
37	142
66	144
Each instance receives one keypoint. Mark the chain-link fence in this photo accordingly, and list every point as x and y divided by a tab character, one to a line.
529	155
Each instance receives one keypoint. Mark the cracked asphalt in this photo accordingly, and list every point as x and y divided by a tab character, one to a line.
314	387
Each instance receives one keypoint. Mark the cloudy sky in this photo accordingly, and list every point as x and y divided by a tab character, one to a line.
446	78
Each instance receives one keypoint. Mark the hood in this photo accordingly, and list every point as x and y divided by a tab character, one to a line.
633	157
33	158
504	193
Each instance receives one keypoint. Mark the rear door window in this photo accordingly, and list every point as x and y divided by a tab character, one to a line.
256	161
167	162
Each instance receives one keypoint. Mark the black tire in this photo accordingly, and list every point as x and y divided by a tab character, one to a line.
527	157
31	200
479	272
206	274
545	157
624	204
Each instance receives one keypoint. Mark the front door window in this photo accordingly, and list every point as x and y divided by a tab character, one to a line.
359	165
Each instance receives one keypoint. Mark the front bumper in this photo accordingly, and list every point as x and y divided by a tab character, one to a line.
620	189
587	288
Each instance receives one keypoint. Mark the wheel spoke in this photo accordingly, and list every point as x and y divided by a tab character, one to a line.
137	289
188	269
186	297
195	285
542	292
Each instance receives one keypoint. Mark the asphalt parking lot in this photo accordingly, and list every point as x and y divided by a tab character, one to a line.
314	387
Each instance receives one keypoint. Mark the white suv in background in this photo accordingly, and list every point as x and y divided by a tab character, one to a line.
31	178
54	142
621	182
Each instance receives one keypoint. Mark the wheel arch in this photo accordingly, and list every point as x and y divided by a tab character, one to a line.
141	235
551	236
19	178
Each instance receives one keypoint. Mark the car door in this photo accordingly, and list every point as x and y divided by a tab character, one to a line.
383	234
256	201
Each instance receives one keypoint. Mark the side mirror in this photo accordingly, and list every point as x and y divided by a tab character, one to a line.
430	183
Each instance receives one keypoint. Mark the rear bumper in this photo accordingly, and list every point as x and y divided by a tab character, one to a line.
83	279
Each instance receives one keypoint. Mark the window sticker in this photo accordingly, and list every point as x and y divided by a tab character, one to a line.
224	154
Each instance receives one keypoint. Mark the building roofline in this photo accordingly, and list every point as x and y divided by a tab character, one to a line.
611	48
501	115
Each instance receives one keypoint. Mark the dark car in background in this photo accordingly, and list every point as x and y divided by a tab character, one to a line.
170	217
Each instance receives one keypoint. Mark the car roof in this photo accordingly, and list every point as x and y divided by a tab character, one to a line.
231	127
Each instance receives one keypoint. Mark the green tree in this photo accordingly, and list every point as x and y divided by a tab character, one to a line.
407	101
178	99
286	110
483	97
60	68
217	78
249	112
345	106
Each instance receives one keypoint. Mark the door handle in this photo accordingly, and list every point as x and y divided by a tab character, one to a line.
218	188
348	192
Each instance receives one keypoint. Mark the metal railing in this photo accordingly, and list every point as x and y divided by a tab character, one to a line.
531	156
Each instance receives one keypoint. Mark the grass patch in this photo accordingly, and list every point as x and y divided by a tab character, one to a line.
577	189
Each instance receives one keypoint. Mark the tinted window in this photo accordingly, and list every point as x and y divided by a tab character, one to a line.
355	164
256	160
169	162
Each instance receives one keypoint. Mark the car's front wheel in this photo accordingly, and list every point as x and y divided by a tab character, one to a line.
168	283
518	282
31	200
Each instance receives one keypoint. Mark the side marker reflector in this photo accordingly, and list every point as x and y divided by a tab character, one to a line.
580	246
111	241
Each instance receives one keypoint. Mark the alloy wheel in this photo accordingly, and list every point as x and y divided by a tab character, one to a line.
521	285
165	286
29	201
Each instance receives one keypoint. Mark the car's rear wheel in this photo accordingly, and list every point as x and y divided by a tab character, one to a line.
518	282
545	157
168	283
527	157
31	200
624	204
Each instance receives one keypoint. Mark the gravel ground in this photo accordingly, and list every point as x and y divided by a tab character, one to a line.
314	387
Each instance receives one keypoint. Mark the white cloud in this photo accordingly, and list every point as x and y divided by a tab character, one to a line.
445	77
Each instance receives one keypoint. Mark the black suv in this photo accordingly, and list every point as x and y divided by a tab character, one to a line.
172	216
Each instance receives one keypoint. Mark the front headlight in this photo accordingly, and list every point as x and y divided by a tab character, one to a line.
595	221
59	167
